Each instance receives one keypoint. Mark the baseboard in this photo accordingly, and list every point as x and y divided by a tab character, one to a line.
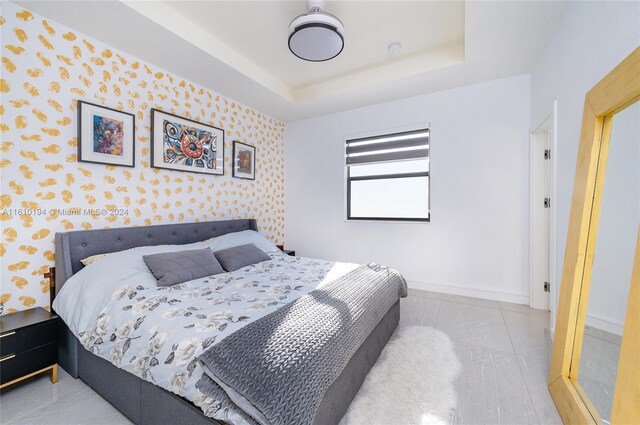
470	292
604	324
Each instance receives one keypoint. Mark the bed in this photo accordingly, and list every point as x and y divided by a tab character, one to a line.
146	403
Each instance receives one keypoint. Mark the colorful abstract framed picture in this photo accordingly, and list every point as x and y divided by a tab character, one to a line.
244	161
105	135
182	144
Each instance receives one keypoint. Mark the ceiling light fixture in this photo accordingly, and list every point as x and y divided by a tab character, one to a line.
316	36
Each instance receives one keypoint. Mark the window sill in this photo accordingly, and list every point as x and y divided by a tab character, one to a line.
396	221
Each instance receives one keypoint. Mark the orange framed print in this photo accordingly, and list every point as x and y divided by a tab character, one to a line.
244	161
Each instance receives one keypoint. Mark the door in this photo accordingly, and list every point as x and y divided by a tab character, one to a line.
540	219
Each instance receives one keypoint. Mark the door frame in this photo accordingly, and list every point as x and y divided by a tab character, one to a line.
550	123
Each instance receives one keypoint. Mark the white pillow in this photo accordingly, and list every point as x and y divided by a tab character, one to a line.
92	259
242	238
216	243
88	291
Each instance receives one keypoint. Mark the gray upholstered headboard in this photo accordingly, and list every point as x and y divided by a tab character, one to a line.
71	247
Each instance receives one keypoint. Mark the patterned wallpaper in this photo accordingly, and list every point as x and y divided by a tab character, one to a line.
46	68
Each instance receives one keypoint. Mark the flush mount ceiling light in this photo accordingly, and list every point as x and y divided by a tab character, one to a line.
316	36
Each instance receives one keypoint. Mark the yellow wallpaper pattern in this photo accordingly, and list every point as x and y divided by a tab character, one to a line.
46	68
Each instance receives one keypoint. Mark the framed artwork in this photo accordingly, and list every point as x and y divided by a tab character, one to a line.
244	161
105	135
182	144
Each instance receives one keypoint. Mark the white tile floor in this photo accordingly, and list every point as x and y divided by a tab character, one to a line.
69	402
504	350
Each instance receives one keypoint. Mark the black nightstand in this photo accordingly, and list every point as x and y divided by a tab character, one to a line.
286	251
28	345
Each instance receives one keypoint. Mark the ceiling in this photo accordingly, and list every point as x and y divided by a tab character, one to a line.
239	48
258	30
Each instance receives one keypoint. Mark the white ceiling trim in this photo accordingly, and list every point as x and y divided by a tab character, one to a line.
417	64
165	16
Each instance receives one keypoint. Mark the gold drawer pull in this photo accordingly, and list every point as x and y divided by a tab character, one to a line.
10	356
7	334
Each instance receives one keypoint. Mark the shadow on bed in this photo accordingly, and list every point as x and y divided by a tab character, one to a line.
278	368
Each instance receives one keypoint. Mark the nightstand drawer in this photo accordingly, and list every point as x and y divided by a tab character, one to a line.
27	362
21	340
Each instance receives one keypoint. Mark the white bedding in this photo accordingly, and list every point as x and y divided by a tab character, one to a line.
117	311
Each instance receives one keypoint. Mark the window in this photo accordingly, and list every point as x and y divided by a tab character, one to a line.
388	177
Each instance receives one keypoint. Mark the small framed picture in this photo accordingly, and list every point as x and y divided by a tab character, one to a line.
105	135
178	143
244	161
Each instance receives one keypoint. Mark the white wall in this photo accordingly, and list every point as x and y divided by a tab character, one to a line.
591	38
477	240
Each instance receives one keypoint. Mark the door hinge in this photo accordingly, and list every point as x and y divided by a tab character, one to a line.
547	153
547	202
547	287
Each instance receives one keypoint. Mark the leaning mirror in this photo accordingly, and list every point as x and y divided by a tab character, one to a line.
612	262
594	376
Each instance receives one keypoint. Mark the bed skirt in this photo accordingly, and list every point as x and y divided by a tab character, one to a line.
145	403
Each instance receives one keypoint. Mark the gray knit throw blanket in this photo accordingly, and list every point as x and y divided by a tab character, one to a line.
278	368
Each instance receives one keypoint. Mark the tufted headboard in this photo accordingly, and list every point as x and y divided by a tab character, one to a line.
71	247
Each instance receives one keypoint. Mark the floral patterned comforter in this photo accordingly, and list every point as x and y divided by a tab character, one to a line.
156	333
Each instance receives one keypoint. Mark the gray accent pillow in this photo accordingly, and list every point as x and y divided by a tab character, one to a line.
171	268
240	256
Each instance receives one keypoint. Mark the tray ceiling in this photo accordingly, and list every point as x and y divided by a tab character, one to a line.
239	48
258	30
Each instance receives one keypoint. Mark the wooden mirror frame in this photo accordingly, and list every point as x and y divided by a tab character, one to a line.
616	91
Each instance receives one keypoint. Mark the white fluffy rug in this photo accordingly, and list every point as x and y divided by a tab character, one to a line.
412	383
